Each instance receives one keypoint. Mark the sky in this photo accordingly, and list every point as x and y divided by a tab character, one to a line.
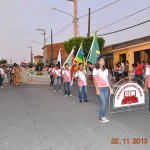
19	20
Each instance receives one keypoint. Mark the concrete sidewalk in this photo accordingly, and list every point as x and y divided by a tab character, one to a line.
33	117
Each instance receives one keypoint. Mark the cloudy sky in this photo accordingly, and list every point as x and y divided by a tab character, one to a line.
20	18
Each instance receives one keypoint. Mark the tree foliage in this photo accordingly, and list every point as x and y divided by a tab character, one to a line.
87	41
3	61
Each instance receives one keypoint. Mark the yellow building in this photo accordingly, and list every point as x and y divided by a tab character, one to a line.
133	51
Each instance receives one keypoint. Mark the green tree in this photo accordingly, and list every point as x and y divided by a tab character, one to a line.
3	61
87	41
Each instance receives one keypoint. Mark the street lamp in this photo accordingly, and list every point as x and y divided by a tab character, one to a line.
75	19
37	42
62	12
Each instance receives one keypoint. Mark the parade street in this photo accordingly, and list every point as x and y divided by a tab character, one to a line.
33	117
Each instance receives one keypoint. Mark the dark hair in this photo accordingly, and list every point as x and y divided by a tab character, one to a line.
97	64
148	62
80	64
66	64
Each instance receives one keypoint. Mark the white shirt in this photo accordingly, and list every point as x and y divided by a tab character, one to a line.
2	71
81	76
147	73
58	72
101	77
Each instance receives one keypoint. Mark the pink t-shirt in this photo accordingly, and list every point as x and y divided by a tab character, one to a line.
66	75
101	77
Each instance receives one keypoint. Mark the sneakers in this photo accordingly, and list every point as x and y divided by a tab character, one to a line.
70	95
86	101
66	96
104	119
60	91
54	91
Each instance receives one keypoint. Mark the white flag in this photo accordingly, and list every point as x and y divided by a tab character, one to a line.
59	57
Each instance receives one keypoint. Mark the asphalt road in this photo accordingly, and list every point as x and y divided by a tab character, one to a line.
33	117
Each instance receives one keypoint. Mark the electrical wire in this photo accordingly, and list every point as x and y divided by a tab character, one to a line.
100	9
123	18
61	30
125	28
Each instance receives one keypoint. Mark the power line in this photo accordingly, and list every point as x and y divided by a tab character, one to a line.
100	8
61	30
124	18
17	31
84	16
125	28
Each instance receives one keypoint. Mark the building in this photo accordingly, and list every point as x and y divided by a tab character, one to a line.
38	59
133	51
47	53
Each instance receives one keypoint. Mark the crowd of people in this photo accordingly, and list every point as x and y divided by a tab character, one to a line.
98	74
10	75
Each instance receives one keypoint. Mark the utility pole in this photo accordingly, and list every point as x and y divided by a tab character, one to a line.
75	19
44	48
89	22
52	45
31	55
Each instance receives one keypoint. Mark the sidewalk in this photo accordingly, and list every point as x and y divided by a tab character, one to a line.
35	118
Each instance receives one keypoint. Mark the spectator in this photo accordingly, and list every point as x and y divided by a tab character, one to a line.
139	73
116	74
132	72
126	69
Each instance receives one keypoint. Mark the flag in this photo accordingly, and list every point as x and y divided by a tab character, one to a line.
94	50
59	58
69	59
80	55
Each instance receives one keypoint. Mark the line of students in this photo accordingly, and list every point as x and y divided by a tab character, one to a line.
101	83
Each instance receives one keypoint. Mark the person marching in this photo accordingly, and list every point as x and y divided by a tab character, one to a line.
67	80
51	72
102	85
57	78
147	82
80	76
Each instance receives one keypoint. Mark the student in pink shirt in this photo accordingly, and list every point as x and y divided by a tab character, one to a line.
67	80
80	76
102	85
147	81
51	72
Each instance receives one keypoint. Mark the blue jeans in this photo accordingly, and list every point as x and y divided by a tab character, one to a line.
103	97
1	81
84	95
149	97
67	88
57	81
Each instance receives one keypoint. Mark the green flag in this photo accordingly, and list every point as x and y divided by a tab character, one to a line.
94	50
69	58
